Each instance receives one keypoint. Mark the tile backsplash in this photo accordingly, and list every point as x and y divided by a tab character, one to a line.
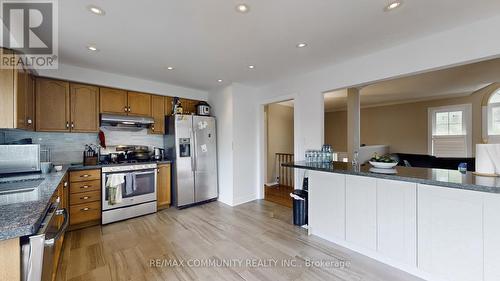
67	148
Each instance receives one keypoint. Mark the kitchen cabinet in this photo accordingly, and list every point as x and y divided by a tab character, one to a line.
491	237
169	105
84	100
52	105
17	109
139	104
113	101
361	211
158	114
85	198
163	186
327	205
397	220
59	194
188	106
450	232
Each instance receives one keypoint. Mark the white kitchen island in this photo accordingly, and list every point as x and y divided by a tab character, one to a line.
436	224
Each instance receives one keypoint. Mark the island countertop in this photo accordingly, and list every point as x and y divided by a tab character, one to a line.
430	176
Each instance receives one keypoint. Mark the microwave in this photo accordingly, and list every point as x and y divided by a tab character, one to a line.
19	158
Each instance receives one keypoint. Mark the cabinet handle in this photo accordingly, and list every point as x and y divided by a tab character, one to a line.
29	121
85	209
129	109
125	109
85	186
84	197
85	176
72	124
67	124
65	184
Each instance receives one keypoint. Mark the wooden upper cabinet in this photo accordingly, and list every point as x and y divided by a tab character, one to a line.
188	106
158	114
113	101
84	108
139	104
52	105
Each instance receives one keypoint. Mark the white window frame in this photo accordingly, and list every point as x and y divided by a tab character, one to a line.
467	117
487	109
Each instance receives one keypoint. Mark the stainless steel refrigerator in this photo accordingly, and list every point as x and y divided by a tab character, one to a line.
195	154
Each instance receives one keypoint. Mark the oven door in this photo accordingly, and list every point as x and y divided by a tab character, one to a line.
143	191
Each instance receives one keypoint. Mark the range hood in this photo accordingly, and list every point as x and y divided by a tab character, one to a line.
126	122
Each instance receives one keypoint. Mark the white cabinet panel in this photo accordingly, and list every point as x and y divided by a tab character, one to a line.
327	205
397	220
361	211
450	232
492	237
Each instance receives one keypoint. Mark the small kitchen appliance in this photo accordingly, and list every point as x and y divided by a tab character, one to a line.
203	109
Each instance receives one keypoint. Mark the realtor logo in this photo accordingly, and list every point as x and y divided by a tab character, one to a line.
30	30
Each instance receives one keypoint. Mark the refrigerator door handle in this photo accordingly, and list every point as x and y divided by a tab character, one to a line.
195	166
193	155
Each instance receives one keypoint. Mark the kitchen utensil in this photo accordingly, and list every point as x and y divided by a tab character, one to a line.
383	165
203	109
46	167
58	168
158	153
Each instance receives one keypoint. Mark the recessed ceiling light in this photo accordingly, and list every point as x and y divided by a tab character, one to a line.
170	67
96	10
92	48
243	8
251	66
220	80
301	45
393	5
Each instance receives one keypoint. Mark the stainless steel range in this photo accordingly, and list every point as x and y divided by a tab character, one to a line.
138	191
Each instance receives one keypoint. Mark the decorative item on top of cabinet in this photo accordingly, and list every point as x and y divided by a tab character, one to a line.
139	104
164	185
52	105
85	198
158	114
113	101
84	108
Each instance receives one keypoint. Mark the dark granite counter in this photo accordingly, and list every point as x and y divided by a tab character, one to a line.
24	218
438	177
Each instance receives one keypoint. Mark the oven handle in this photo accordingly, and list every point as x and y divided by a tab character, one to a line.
50	242
145	173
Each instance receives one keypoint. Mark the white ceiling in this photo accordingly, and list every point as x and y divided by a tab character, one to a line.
455	81
207	40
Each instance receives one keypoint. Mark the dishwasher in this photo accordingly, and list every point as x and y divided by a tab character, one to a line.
38	249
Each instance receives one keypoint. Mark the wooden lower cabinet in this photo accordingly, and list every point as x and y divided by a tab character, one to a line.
163	186
85	198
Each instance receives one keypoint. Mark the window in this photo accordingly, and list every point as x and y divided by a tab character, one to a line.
450	130
494	114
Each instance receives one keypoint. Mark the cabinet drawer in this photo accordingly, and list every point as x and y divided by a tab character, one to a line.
85	175
85	212
85	186
85	197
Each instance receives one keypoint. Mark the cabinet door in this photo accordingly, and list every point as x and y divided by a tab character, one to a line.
21	97
327	205
84	108
6	92
397	220
139	104
52	105
188	106
158	114
169	107
163	194
113	101
450	232
361	211
30	102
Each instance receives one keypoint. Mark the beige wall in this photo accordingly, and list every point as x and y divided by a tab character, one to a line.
279	134
402	126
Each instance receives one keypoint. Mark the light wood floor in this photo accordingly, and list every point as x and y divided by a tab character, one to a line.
216	232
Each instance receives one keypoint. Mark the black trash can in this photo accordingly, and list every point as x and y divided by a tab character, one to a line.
299	206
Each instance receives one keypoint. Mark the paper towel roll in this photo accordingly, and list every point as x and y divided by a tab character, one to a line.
488	158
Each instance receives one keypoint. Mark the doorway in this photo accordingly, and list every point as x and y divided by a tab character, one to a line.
279	144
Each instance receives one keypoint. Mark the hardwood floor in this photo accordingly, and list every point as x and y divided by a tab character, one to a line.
279	194
217	233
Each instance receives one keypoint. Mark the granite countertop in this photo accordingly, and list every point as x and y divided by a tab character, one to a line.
438	177
22	219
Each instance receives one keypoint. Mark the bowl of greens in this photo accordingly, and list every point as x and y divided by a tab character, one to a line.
382	162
